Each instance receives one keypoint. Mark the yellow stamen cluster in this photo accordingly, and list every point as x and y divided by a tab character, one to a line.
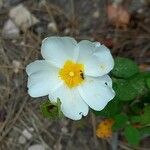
72	73
104	129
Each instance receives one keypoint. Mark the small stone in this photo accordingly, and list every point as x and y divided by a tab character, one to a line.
10	30
52	27
64	130
67	31
117	2
1	4
31	129
42	3
16	65
36	147
22	43
96	14
39	28
27	134
144	1
22	139
58	146
22	17
140	11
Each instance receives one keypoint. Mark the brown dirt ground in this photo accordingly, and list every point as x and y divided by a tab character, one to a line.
75	18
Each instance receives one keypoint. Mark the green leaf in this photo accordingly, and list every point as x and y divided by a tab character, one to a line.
146	74
145	117
124	91
146	98
132	135
135	119
135	109
51	110
120	121
124	68
148	83
144	132
111	109
138	83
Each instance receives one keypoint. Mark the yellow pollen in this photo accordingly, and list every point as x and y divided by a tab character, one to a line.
72	73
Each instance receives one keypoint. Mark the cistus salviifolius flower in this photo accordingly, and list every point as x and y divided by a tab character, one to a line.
76	73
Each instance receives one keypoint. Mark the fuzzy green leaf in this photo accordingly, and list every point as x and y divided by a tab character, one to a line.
132	135
145	117
135	119
138	83
111	109
120	121
144	132
146	98
124	91
124	68
148	83
135	109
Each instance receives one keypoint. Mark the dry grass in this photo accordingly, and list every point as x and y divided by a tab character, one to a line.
18	111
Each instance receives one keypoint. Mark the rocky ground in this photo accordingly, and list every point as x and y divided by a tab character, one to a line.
122	26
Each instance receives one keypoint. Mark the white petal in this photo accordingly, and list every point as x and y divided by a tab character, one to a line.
37	65
43	82
92	67
106	61
84	50
96	93
106	80
73	106
96	58
58	49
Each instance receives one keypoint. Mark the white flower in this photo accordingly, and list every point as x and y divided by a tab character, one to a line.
76	73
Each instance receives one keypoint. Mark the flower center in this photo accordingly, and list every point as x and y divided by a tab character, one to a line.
72	73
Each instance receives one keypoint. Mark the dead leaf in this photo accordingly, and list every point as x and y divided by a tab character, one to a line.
118	15
144	67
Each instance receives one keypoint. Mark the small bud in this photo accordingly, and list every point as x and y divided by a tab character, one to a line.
51	110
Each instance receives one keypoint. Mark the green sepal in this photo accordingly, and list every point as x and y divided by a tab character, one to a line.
51	110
